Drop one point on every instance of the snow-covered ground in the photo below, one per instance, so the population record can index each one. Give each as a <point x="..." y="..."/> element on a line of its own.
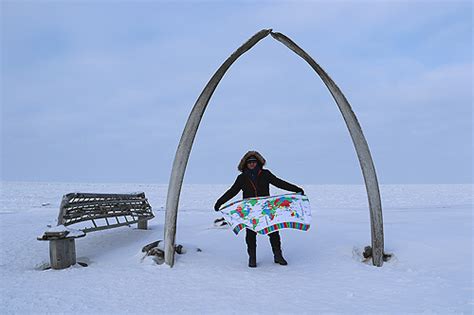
<point x="428" y="228"/>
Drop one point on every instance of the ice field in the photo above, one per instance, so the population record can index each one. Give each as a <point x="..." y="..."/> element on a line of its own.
<point x="428" y="229"/>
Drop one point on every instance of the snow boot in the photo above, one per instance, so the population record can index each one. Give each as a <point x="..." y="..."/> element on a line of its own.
<point x="252" y="261"/>
<point x="276" y="248"/>
<point x="278" y="258"/>
<point x="251" y="240"/>
<point x="252" y="251"/>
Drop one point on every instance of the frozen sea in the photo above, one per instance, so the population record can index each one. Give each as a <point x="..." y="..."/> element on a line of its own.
<point x="428" y="229"/>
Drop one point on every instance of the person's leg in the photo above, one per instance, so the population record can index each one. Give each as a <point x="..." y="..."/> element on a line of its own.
<point x="251" y="240"/>
<point x="276" y="248"/>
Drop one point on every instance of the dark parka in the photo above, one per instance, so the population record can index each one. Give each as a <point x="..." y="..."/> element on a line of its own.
<point x="259" y="187"/>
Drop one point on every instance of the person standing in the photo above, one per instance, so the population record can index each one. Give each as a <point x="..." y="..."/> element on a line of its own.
<point x="254" y="181"/>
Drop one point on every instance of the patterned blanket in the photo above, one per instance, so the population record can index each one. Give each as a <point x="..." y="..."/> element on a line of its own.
<point x="265" y="215"/>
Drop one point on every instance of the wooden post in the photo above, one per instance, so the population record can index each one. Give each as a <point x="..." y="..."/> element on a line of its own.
<point x="62" y="253"/>
<point x="142" y="225"/>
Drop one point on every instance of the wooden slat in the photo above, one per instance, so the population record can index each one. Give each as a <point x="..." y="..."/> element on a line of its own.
<point x="105" y="195"/>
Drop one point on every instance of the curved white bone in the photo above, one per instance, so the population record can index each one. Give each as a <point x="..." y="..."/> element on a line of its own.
<point x="361" y="147"/>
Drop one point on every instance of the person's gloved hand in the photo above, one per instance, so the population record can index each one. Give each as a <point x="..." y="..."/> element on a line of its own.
<point x="216" y="207"/>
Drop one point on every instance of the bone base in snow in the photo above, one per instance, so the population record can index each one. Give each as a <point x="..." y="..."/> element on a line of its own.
<point x="156" y="249"/>
<point x="368" y="254"/>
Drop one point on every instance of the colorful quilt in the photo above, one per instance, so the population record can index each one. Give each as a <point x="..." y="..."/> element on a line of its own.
<point x="265" y="215"/>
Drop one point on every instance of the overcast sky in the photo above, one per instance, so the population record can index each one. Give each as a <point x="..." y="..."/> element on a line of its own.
<point x="99" y="91"/>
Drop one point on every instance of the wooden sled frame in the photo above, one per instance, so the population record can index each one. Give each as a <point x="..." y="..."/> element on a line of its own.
<point x="103" y="211"/>
<point x="185" y="144"/>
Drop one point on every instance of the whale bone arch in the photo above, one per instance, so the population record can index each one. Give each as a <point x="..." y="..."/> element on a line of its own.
<point x="189" y="133"/>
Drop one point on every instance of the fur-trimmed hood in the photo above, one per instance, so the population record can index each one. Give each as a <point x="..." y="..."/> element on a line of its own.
<point x="257" y="155"/>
